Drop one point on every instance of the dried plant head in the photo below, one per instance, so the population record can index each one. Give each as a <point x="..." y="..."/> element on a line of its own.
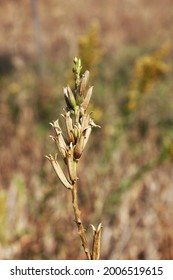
<point x="71" y="144"/>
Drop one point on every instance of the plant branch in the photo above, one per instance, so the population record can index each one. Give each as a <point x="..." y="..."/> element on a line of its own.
<point x="77" y="213"/>
<point x="78" y="127"/>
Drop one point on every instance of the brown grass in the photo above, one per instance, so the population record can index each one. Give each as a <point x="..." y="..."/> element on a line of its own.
<point x="34" y="211"/>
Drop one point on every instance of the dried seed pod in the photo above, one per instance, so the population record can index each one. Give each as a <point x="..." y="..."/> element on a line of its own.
<point x="86" y="101"/>
<point x="59" y="139"/>
<point x="85" y="121"/>
<point x="96" y="242"/>
<point x="93" y="124"/>
<point x="71" y="163"/>
<point x="55" y="125"/>
<point x="87" y="133"/>
<point x="69" y="127"/>
<point x="83" y="83"/>
<point x="59" y="172"/>
<point x="61" y="145"/>
<point x="79" y="147"/>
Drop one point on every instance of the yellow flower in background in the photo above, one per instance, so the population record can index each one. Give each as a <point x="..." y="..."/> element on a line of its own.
<point x="98" y="113"/>
<point x="14" y="88"/>
<point x="90" y="50"/>
<point x="147" y="71"/>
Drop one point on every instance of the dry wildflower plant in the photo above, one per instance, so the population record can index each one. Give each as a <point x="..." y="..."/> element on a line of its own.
<point x="71" y="145"/>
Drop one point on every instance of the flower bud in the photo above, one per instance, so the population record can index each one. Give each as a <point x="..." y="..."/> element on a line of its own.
<point x="69" y="98"/>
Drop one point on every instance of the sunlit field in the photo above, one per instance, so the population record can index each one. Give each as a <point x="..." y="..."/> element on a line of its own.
<point x="125" y="173"/>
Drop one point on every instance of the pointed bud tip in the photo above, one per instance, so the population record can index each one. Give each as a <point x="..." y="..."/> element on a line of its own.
<point x="93" y="228"/>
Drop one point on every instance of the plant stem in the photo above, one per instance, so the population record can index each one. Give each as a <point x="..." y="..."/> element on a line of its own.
<point x="77" y="213"/>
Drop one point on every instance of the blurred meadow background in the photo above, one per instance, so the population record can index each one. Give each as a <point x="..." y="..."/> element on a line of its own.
<point x="126" y="172"/>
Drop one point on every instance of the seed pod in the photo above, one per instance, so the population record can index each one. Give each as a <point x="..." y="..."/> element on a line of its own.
<point x="87" y="75"/>
<point x="59" y="172"/>
<point x="76" y="132"/>
<point x="56" y="126"/>
<point x="83" y="83"/>
<point x="69" y="98"/>
<point x="69" y="127"/>
<point x="79" y="147"/>
<point x="59" y="139"/>
<point x="85" y="121"/>
<point x="96" y="242"/>
<point x="71" y="163"/>
<point x="93" y="124"/>
<point x="86" y="101"/>
<point x="61" y="145"/>
<point x="87" y="135"/>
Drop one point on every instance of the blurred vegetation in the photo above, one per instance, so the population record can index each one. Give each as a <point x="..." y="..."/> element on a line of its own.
<point x="129" y="185"/>
<point x="90" y="48"/>
<point x="147" y="71"/>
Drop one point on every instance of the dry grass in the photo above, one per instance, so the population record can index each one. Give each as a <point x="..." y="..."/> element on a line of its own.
<point x="34" y="211"/>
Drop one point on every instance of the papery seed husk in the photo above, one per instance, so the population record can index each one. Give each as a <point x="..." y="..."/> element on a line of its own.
<point x="61" y="143"/>
<point x="79" y="147"/>
<point x="83" y="83"/>
<point x="59" y="172"/>
<point x="71" y="164"/>
<point x="56" y="127"/>
<point x="87" y="98"/>
<point x="92" y="123"/>
<point x="87" y="75"/>
<point x="61" y="147"/>
<point x="87" y="135"/>
<point x="85" y="121"/>
<point x="69" y="127"/>
<point x="96" y="242"/>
